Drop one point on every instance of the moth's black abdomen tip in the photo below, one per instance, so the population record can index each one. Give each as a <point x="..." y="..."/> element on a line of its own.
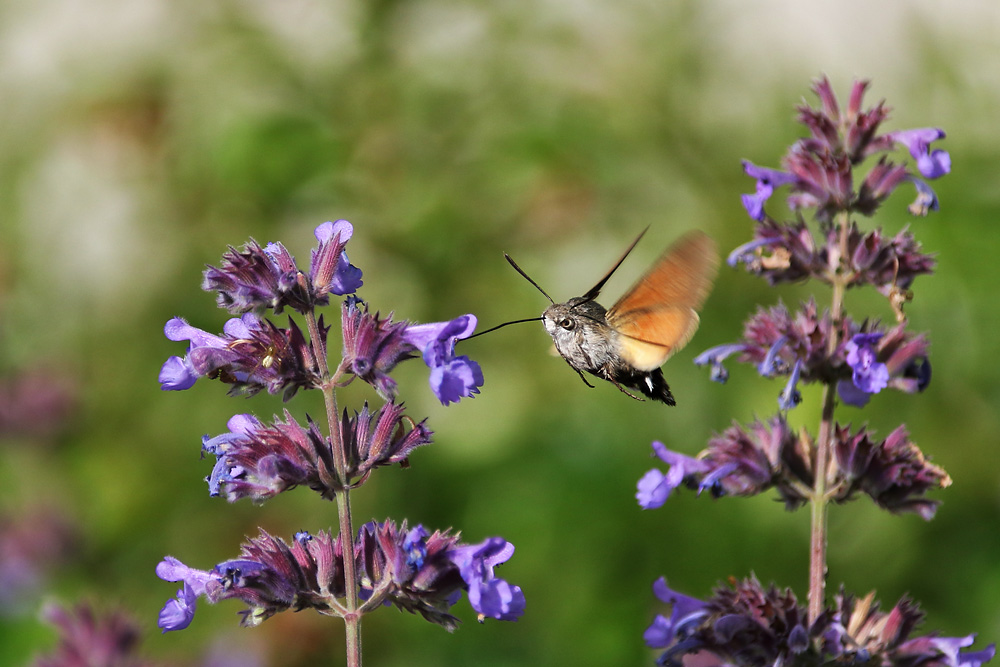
<point x="651" y="384"/>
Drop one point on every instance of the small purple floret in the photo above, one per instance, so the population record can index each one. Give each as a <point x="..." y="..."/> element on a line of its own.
<point x="489" y="596"/>
<point x="870" y="375"/>
<point x="931" y="164"/>
<point x="767" y="181"/>
<point x="452" y="377"/>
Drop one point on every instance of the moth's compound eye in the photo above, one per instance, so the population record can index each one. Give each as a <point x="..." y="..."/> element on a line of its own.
<point x="567" y="324"/>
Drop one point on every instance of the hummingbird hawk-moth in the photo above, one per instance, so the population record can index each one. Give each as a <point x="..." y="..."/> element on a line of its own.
<point x="627" y="343"/>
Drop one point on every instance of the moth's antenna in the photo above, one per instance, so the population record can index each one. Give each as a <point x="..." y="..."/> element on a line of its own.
<point x="596" y="289"/>
<point x="501" y="326"/>
<point x="528" y="278"/>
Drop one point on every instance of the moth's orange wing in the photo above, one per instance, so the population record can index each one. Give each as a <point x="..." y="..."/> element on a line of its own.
<point x="657" y="316"/>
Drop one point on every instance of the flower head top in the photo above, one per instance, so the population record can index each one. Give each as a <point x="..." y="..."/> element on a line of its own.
<point x="256" y="278"/>
<point x="819" y="168"/>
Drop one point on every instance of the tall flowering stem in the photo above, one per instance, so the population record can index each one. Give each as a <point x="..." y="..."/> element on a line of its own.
<point x="840" y="173"/>
<point x="351" y="571"/>
<point x="352" y="619"/>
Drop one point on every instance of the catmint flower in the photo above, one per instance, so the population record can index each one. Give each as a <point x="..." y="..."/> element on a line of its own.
<point x="715" y="356"/>
<point x="796" y="344"/>
<point x="255" y="278"/>
<point x="931" y="164"/>
<point x="380" y="438"/>
<point x="89" y="637"/>
<point x="252" y="354"/>
<point x="655" y="487"/>
<point x="686" y="614"/>
<point x="887" y="263"/>
<point x="178" y="612"/>
<point x="870" y="376"/>
<point x="330" y="270"/>
<point x="452" y="377"/>
<point x="767" y="181"/>
<point x="373" y="346"/>
<point x="490" y="596"/>
<point x="745" y="624"/>
<point x="906" y="367"/>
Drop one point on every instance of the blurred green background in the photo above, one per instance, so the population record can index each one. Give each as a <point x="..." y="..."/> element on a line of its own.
<point x="138" y="139"/>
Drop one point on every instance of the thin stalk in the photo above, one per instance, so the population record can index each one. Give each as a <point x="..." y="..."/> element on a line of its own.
<point x="352" y="619"/>
<point x="824" y="442"/>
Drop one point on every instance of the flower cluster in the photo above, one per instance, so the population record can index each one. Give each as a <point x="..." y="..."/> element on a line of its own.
<point x="745" y="461"/>
<point x="744" y="624"/>
<point x="410" y="569"/>
<point x="254" y="278"/>
<point x="861" y="358"/>
<point x="258" y="461"/>
<point x="251" y="354"/>
<point x="373" y="346"/>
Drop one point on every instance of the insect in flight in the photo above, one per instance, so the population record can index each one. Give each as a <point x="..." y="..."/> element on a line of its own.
<point x="627" y="343"/>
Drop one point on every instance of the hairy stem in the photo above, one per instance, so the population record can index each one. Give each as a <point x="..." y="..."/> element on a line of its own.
<point x="824" y="440"/>
<point x="352" y="619"/>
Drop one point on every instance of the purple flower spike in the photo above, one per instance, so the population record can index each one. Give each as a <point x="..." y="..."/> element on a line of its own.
<point x="747" y="623"/>
<point x="931" y="164"/>
<point x="767" y="181"/>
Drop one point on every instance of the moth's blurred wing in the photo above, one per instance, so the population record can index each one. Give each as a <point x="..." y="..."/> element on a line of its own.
<point x="657" y="316"/>
<point x="649" y="336"/>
